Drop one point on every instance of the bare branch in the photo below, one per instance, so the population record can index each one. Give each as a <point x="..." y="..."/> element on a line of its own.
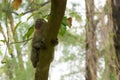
<point x="40" y="5"/>
<point x="21" y="41"/>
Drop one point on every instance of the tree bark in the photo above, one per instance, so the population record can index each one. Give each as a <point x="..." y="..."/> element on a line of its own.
<point x="91" y="55"/>
<point x="116" y="23"/>
<point x="51" y="31"/>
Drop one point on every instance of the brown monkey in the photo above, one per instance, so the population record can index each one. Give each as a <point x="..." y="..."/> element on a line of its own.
<point x="37" y="41"/>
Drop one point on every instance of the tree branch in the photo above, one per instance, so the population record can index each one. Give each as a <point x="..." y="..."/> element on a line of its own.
<point x="51" y="32"/>
<point x="40" y="5"/>
<point x="21" y="41"/>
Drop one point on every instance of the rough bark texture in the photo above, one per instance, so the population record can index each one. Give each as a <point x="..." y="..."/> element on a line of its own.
<point x="116" y="23"/>
<point x="51" y="31"/>
<point x="91" y="55"/>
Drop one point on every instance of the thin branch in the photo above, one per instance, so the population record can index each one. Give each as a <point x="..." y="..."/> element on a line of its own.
<point x="20" y="41"/>
<point x="15" y="13"/>
<point x="32" y="10"/>
<point x="41" y="5"/>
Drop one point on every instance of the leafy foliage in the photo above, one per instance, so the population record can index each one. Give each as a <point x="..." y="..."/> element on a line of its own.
<point x="15" y="41"/>
<point x="29" y="33"/>
<point x="65" y="22"/>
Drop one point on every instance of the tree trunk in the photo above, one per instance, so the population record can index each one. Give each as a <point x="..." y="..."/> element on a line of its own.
<point x="51" y="32"/>
<point x="116" y="23"/>
<point x="91" y="55"/>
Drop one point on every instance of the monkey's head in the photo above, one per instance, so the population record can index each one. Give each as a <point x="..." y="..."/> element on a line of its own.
<point x="39" y="23"/>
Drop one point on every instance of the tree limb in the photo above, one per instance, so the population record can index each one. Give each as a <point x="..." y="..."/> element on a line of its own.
<point x="40" y="5"/>
<point x="21" y="41"/>
<point x="51" y="32"/>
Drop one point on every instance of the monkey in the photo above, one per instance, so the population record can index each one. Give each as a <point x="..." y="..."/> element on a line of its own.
<point x="38" y="41"/>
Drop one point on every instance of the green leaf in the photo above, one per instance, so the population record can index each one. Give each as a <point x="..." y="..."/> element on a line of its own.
<point x="64" y="21"/>
<point x="0" y="27"/>
<point x="113" y="77"/>
<point x="17" y="26"/>
<point x="78" y="18"/>
<point x="63" y="26"/>
<point x="62" y="30"/>
<point x="29" y="32"/>
<point x="2" y="41"/>
<point x="21" y="14"/>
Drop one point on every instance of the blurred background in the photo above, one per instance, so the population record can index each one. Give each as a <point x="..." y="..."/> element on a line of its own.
<point x="16" y="30"/>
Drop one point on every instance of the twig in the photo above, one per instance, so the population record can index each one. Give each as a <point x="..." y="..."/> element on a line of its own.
<point x="21" y="41"/>
<point x="41" y="5"/>
<point x="44" y="3"/>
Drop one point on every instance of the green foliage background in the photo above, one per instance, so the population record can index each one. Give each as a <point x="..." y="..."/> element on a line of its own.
<point x="15" y="45"/>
